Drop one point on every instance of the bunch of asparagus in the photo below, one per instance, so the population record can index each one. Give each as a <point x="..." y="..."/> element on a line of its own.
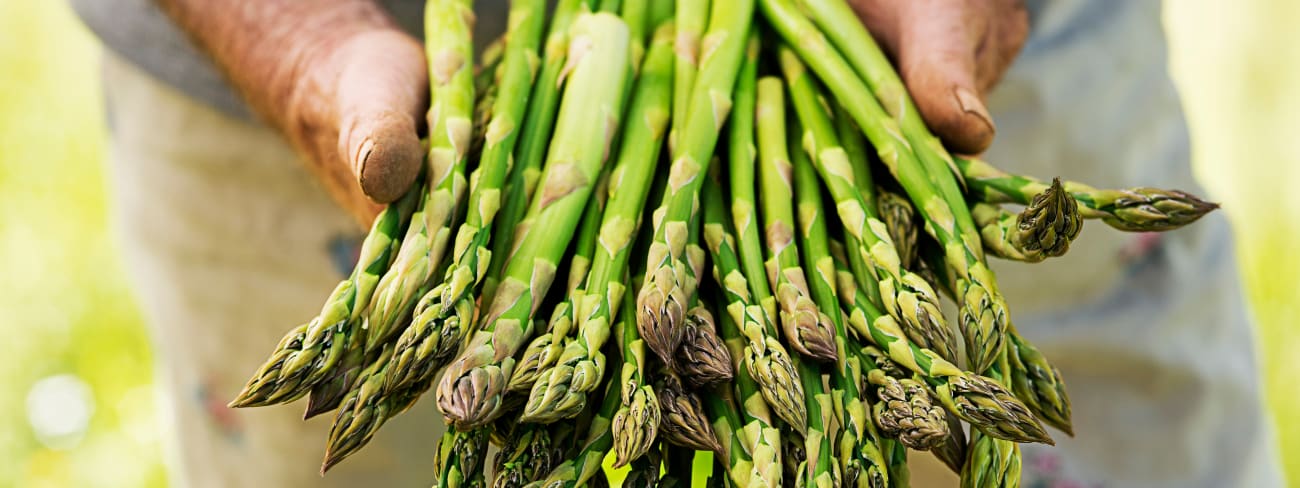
<point x="779" y="306"/>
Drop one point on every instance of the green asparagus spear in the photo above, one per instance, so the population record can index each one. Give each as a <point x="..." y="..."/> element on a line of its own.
<point x="364" y="409"/>
<point x="740" y="175"/>
<point x="545" y="349"/>
<point x="692" y="17"/>
<point x="860" y="462"/>
<point x="526" y="456"/>
<point x="702" y="358"/>
<point x="530" y="149"/>
<point x="449" y="308"/>
<point x="805" y="329"/>
<point x="636" y="422"/>
<point x="664" y="296"/>
<point x="450" y="53"/>
<point x="1043" y="229"/>
<point x="459" y="462"/>
<point x="899" y="217"/>
<point x="579" y="469"/>
<point x="859" y="155"/>
<point x="819" y="468"/>
<point x="1036" y="382"/>
<point x="992" y="462"/>
<point x="684" y="422"/>
<point x="266" y="387"/>
<point x="758" y="435"/>
<point x="1133" y="210"/>
<point x="905" y="411"/>
<point x="734" y="456"/>
<point x="470" y="393"/>
<point x="580" y="361"/>
<point x="765" y="358"/>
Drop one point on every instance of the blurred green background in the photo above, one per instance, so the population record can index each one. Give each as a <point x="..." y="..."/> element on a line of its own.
<point x="76" y="407"/>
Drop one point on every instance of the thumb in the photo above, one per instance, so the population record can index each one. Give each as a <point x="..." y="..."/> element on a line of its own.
<point x="937" y="59"/>
<point x="380" y="96"/>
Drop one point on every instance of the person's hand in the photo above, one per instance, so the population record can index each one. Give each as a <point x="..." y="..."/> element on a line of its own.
<point x="950" y="53"/>
<point x="338" y="78"/>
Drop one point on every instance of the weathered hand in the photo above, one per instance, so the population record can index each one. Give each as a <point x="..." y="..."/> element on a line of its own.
<point x="950" y="53"/>
<point x="343" y="83"/>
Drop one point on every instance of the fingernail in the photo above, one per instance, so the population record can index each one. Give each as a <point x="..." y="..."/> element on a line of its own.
<point x="971" y="104"/>
<point x="362" y="155"/>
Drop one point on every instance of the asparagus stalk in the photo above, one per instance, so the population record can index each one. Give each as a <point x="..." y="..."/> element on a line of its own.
<point x="581" y="364"/>
<point x="992" y="462"/>
<point x="899" y="218"/>
<point x="669" y="282"/>
<point x="904" y="411"/>
<point x="978" y="400"/>
<point x="530" y="149"/>
<point x="447" y="311"/>
<point x="856" y="149"/>
<point x="805" y="329"/>
<point x="896" y="455"/>
<point x="740" y="174"/>
<point x="266" y="386"/>
<point x="364" y="409"/>
<point x="643" y="472"/>
<point x="860" y="461"/>
<point x="450" y="53"/>
<point x="486" y="76"/>
<point x="758" y="435"/>
<point x="684" y="422"/>
<point x="310" y="351"/>
<point x="952" y="449"/>
<point x="580" y="469"/>
<point x="907" y="297"/>
<point x="470" y="393"/>
<point x="545" y="349"/>
<point x="1043" y="229"/>
<point x="692" y="17"/>
<point x="765" y="358"/>
<point x="1138" y="209"/>
<point x="734" y="456"/>
<point x="702" y="358"/>
<point x="459" y="462"/>
<point x="636" y="13"/>
<point x="611" y="6"/>
<point x="903" y="407"/>
<point x="793" y="456"/>
<point x="636" y="423"/>
<point x="982" y="309"/>
<point x="1036" y="382"/>
<point x="526" y="456"/>
<point x="819" y="467"/>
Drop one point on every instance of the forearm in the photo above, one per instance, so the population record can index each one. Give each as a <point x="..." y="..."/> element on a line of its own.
<point x="264" y="47"/>
<point x="338" y="78"/>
